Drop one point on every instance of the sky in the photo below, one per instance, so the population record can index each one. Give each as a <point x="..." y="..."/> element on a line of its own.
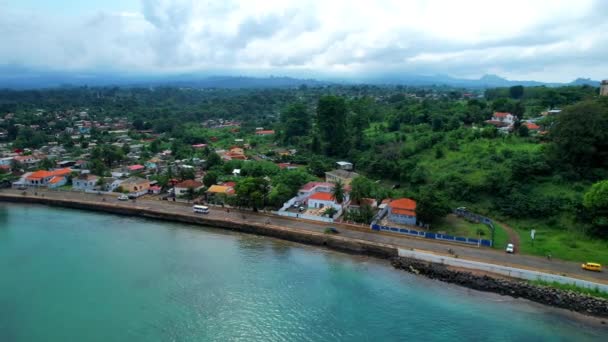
<point x="544" y="40"/>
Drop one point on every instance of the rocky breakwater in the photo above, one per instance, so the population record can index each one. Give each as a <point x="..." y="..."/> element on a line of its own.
<point x="507" y="287"/>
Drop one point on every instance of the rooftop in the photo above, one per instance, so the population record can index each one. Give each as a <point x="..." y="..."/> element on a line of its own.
<point x="311" y="185"/>
<point x="342" y="174"/>
<point x="189" y="184"/>
<point x="321" y="196"/>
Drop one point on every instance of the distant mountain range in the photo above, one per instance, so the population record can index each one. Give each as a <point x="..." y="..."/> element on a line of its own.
<point x="14" y="77"/>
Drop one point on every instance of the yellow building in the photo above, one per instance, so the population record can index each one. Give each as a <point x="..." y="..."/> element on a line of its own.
<point x="135" y="184"/>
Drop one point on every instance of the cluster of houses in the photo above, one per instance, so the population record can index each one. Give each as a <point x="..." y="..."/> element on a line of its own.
<point x="505" y="121"/>
<point x="316" y="201"/>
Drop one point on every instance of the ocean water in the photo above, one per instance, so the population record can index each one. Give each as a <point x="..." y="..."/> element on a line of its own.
<point x="68" y="275"/>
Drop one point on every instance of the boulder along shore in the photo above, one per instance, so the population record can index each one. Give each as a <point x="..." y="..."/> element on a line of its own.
<point x="564" y="299"/>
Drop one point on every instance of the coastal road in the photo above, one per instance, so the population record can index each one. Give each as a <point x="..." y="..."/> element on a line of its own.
<point x="487" y="255"/>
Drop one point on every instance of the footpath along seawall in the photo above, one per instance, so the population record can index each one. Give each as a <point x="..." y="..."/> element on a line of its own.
<point x="339" y="243"/>
<point x="401" y="259"/>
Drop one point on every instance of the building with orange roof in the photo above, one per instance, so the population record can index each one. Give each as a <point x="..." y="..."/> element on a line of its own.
<point x="43" y="177"/>
<point x="182" y="187"/>
<point x="532" y="126"/>
<point x="320" y="200"/>
<point x="402" y="211"/>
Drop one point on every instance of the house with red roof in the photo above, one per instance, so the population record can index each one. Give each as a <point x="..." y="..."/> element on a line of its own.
<point x="44" y="178"/>
<point x="154" y="190"/>
<point x="402" y="211"/>
<point x="532" y="126"/>
<point x="264" y="132"/>
<point x="502" y="119"/>
<point x="320" y="200"/>
<point x="136" y="168"/>
<point x="181" y="188"/>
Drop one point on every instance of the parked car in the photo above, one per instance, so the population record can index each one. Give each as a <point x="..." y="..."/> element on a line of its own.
<point x="301" y="209"/>
<point x="510" y="248"/>
<point x="592" y="266"/>
<point x="123" y="197"/>
<point x="22" y="187"/>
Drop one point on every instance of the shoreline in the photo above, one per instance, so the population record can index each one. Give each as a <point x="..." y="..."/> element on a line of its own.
<point x="586" y="305"/>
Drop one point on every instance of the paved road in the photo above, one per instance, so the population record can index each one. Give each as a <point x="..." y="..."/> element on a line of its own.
<point x="467" y="252"/>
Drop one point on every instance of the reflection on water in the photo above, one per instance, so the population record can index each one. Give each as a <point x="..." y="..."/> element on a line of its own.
<point x="77" y="276"/>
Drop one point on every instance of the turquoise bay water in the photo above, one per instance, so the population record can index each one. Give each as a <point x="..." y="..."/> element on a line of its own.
<point x="70" y="275"/>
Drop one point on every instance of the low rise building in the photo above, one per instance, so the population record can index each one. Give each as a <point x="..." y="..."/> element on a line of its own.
<point x="84" y="182"/>
<point x="181" y="189"/>
<point x="402" y="211"/>
<point x="43" y="177"/>
<point x="135" y="185"/>
<point x="344" y="176"/>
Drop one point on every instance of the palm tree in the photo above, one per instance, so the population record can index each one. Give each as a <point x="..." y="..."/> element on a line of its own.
<point x="338" y="192"/>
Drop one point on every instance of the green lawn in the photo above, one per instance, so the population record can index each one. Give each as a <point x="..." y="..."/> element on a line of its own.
<point x="565" y="245"/>
<point x="457" y="226"/>
<point x="500" y="237"/>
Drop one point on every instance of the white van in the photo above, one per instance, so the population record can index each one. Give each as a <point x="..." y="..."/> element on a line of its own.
<point x="201" y="209"/>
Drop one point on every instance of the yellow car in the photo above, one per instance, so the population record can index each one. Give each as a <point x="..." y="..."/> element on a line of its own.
<point x="592" y="266"/>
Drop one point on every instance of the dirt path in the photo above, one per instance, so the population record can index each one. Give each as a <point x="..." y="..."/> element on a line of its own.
<point x="513" y="236"/>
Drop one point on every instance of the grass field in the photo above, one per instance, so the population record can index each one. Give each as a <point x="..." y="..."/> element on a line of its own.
<point x="564" y="244"/>
<point x="454" y="225"/>
<point x="500" y="237"/>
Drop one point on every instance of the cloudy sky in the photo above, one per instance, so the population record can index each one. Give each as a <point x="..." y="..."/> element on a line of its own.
<point x="547" y="40"/>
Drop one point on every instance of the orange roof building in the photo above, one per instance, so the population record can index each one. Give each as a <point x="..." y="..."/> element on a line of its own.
<point x="402" y="211"/>
<point x="43" y="177"/>
<point x="532" y="126"/>
<point x="322" y="196"/>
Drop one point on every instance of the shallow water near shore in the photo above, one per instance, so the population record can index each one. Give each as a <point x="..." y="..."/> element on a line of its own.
<point x="69" y="275"/>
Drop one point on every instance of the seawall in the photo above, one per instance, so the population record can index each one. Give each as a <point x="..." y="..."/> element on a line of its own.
<point x="335" y="242"/>
<point x="507" y="287"/>
<point x="544" y="295"/>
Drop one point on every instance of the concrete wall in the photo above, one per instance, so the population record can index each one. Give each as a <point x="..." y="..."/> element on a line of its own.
<point x="339" y="243"/>
<point x="499" y="269"/>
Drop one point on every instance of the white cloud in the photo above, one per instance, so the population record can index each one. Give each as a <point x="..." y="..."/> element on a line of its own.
<point x="553" y="40"/>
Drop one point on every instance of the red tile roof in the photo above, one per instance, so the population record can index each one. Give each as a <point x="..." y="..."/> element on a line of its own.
<point x="501" y="114"/>
<point x="56" y="179"/>
<point x="136" y="167"/>
<point x="532" y="126"/>
<point x="321" y="196"/>
<point x="403" y="206"/>
<point x="189" y="184"/>
<point x="264" y="132"/>
<point x="46" y="174"/>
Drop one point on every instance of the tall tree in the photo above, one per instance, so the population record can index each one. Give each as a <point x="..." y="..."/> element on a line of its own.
<point x="580" y="136"/>
<point x="431" y="206"/>
<point x="331" y="121"/>
<point x="251" y="192"/>
<point x="295" y="122"/>
<point x="362" y="187"/>
<point x="210" y="178"/>
<point x="338" y="192"/>
<point x="516" y="92"/>
<point x="595" y="203"/>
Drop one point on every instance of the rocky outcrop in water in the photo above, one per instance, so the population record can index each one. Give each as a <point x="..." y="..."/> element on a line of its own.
<point x="519" y="289"/>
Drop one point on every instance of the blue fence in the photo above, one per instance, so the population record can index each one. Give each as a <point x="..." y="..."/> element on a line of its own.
<point x="434" y="236"/>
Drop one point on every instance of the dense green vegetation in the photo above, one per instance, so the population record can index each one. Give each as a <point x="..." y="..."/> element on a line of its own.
<point x="429" y="144"/>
